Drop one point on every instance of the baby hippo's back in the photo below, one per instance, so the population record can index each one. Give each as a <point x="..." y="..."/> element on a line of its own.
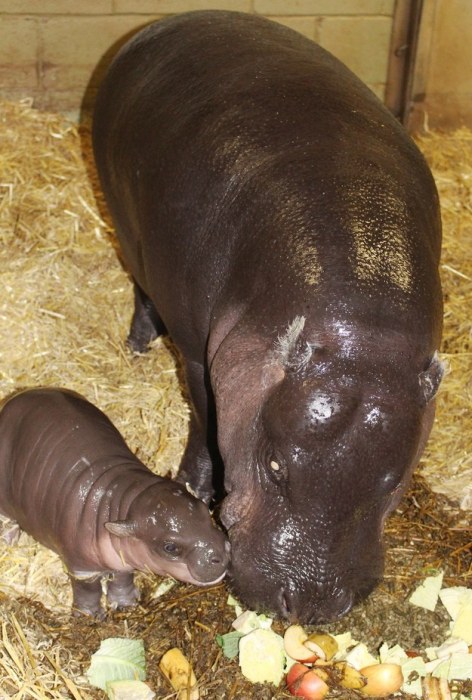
<point x="68" y="478"/>
<point x="55" y="447"/>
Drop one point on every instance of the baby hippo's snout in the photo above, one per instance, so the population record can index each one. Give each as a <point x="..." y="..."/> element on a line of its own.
<point x="208" y="562"/>
<point x="181" y="536"/>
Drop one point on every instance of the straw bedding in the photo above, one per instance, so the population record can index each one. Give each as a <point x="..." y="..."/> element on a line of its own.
<point x="65" y="307"/>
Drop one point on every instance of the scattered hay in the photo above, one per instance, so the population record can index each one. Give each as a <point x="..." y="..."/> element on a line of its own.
<point x="66" y="302"/>
<point x="447" y="464"/>
<point x="65" y="307"/>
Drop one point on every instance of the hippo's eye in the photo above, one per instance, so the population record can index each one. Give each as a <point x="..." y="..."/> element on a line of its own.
<point x="277" y="471"/>
<point x="171" y="548"/>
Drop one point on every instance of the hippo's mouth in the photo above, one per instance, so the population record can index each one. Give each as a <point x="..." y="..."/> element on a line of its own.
<point x="211" y="583"/>
<point x="182" y="572"/>
<point x="190" y="578"/>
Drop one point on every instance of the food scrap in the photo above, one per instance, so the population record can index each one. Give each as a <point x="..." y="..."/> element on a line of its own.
<point x="315" y="663"/>
<point x="261" y="651"/>
<point x="129" y="690"/>
<point x="180" y="675"/>
<point x="458" y="603"/>
<point x="117" y="659"/>
<point x="262" y="657"/>
<point x="427" y="593"/>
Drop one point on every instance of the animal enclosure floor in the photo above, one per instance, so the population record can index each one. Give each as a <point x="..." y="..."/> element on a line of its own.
<point x="65" y="307"/>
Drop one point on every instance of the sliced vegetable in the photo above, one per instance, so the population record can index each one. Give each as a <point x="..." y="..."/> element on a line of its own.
<point x="229" y="643"/>
<point x="249" y="621"/>
<point x="129" y="690"/>
<point x="117" y="659"/>
<point x="262" y="656"/>
<point x="359" y="657"/>
<point x="413" y="669"/>
<point x="426" y="595"/>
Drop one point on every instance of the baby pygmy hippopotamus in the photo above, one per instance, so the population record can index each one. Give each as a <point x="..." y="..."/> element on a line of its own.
<point x="68" y="478"/>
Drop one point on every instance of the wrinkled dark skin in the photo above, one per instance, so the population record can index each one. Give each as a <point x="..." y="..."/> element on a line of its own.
<point x="285" y="230"/>
<point x="68" y="479"/>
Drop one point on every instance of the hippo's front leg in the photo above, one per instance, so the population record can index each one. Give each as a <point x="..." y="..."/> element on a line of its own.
<point x="197" y="466"/>
<point x="86" y="594"/>
<point x="121" y="591"/>
<point x="146" y="324"/>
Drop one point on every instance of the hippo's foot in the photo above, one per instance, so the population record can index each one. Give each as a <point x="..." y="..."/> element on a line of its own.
<point x="98" y="614"/>
<point x="196" y="469"/>
<point x="121" y="591"/>
<point x="146" y="324"/>
<point x="195" y="486"/>
<point x="87" y="593"/>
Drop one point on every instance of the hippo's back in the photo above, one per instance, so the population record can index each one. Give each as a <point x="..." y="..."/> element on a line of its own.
<point x="235" y="153"/>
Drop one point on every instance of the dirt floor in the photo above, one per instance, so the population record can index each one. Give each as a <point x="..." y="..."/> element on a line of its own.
<point x="65" y="305"/>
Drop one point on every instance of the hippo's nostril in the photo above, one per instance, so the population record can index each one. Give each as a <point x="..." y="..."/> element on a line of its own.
<point x="332" y="608"/>
<point x="215" y="560"/>
<point x="285" y="604"/>
<point x="345" y="604"/>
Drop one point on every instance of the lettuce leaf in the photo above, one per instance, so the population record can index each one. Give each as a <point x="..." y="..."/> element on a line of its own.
<point x="117" y="659"/>
<point x="229" y="643"/>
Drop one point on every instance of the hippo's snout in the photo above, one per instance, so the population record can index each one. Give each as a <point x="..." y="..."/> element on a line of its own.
<point x="329" y="608"/>
<point x="316" y="588"/>
<point x="208" y="564"/>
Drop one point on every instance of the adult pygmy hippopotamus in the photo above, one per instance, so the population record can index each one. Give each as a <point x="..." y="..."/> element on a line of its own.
<point x="285" y="230"/>
<point x="68" y="479"/>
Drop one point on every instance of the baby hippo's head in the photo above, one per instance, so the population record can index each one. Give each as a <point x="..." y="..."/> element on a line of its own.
<point x="170" y="532"/>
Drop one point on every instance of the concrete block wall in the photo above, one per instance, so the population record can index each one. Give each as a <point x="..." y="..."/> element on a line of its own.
<point x="55" y="51"/>
<point x="442" y="85"/>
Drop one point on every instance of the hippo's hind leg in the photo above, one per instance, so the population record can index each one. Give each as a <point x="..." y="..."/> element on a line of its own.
<point x="146" y="324"/>
<point x="87" y="593"/>
<point x="121" y="591"/>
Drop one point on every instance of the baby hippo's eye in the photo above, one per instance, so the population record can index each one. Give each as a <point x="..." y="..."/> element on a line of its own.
<point x="171" y="549"/>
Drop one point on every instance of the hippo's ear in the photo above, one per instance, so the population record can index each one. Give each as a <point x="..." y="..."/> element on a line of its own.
<point x="290" y="349"/>
<point x="121" y="528"/>
<point x="430" y="379"/>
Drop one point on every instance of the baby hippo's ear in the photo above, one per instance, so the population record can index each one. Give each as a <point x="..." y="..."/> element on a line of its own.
<point x="121" y="528"/>
<point x="430" y="379"/>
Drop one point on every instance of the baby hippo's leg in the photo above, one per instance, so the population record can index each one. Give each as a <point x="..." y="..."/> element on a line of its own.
<point x="86" y="595"/>
<point x="121" y="591"/>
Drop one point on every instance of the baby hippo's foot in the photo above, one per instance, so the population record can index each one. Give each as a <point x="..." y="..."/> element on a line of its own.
<point x="87" y="593"/>
<point x="121" y="591"/>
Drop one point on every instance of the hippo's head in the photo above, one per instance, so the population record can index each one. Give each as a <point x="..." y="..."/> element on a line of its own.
<point x="329" y="438"/>
<point x="170" y="532"/>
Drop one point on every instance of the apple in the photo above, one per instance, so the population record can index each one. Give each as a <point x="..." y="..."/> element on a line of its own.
<point x="294" y="639"/>
<point x="324" y="645"/>
<point x="305" y="682"/>
<point x="382" y="679"/>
